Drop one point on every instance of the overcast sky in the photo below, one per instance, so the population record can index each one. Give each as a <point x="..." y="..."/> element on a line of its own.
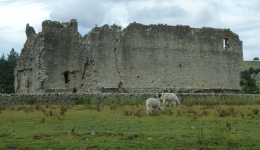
<point x="241" y="16"/>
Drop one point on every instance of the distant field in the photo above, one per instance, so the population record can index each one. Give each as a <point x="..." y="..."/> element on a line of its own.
<point x="254" y="64"/>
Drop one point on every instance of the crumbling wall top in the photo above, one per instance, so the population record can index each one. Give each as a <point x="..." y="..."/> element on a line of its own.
<point x="29" y="30"/>
<point x="55" y="24"/>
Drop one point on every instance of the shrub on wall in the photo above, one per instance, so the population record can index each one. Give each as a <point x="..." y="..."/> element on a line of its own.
<point x="84" y="100"/>
<point x="30" y="101"/>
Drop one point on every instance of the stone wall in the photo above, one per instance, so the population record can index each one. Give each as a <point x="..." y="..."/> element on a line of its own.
<point x="138" y="59"/>
<point x="72" y="99"/>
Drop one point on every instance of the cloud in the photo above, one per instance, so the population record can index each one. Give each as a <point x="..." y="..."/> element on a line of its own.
<point x="157" y="12"/>
<point x="87" y="13"/>
<point x="3" y="28"/>
<point x="195" y="13"/>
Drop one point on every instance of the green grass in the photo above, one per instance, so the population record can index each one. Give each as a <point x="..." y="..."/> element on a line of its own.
<point x="100" y="127"/>
<point x="254" y="64"/>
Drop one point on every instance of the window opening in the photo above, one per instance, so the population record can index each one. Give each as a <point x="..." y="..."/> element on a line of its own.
<point x="66" y="75"/>
<point x="74" y="90"/>
<point x="225" y="43"/>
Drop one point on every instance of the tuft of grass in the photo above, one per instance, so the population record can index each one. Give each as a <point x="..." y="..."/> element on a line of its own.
<point x="43" y="119"/>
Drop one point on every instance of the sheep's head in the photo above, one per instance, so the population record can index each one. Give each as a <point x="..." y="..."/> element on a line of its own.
<point x="162" y="94"/>
<point x="159" y="96"/>
<point x="161" y="109"/>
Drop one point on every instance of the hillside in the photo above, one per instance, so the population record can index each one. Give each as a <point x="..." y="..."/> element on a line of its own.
<point x="254" y="64"/>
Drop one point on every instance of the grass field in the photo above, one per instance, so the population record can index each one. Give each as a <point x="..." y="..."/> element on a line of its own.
<point x="254" y="64"/>
<point x="197" y="124"/>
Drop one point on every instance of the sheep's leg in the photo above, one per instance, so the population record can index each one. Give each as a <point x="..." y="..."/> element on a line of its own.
<point x="147" y="108"/>
<point x="164" y="102"/>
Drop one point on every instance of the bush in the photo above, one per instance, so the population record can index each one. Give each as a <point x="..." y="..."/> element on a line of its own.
<point x="115" y="27"/>
<point x="248" y="84"/>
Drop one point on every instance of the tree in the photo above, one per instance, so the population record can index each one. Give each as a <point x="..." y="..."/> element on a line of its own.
<point x="7" y="72"/>
<point x="248" y="84"/>
<point x="251" y="70"/>
<point x="256" y="58"/>
<point x="3" y="64"/>
<point x="115" y="26"/>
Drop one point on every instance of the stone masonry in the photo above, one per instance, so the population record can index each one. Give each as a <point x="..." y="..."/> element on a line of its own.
<point x="138" y="59"/>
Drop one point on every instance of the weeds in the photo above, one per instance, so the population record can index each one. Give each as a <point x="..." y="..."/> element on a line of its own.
<point x="128" y="113"/>
<point x="242" y="115"/>
<point x="154" y="111"/>
<point x="204" y="112"/>
<point x="233" y="112"/>
<point x="251" y="115"/>
<point x="223" y="112"/>
<point x="180" y="113"/>
<point x="48" y="105"/>
<point x="228" y="126"/>
<point x="63" y="109"/>
<point x="26" y="110"/>
<point x="255" y="111"/>
<point x="170" y="112"/>
<point x="38" y="107"/>
<point x="138" y="113"/>
<point x="113" y="107"/>
<point x="44" y="111"/>
<point x="50" y="113"/>
<point x="3" y="108"/>
<point x="194" y="118"/>
<point x="98" y="108"/>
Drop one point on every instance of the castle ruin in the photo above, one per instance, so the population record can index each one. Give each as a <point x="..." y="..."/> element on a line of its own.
<point x="138" y="59"/>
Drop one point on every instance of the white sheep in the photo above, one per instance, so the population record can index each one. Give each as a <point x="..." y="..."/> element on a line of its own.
<point x="153" y="103"/>
<point x="169" y="97"/>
